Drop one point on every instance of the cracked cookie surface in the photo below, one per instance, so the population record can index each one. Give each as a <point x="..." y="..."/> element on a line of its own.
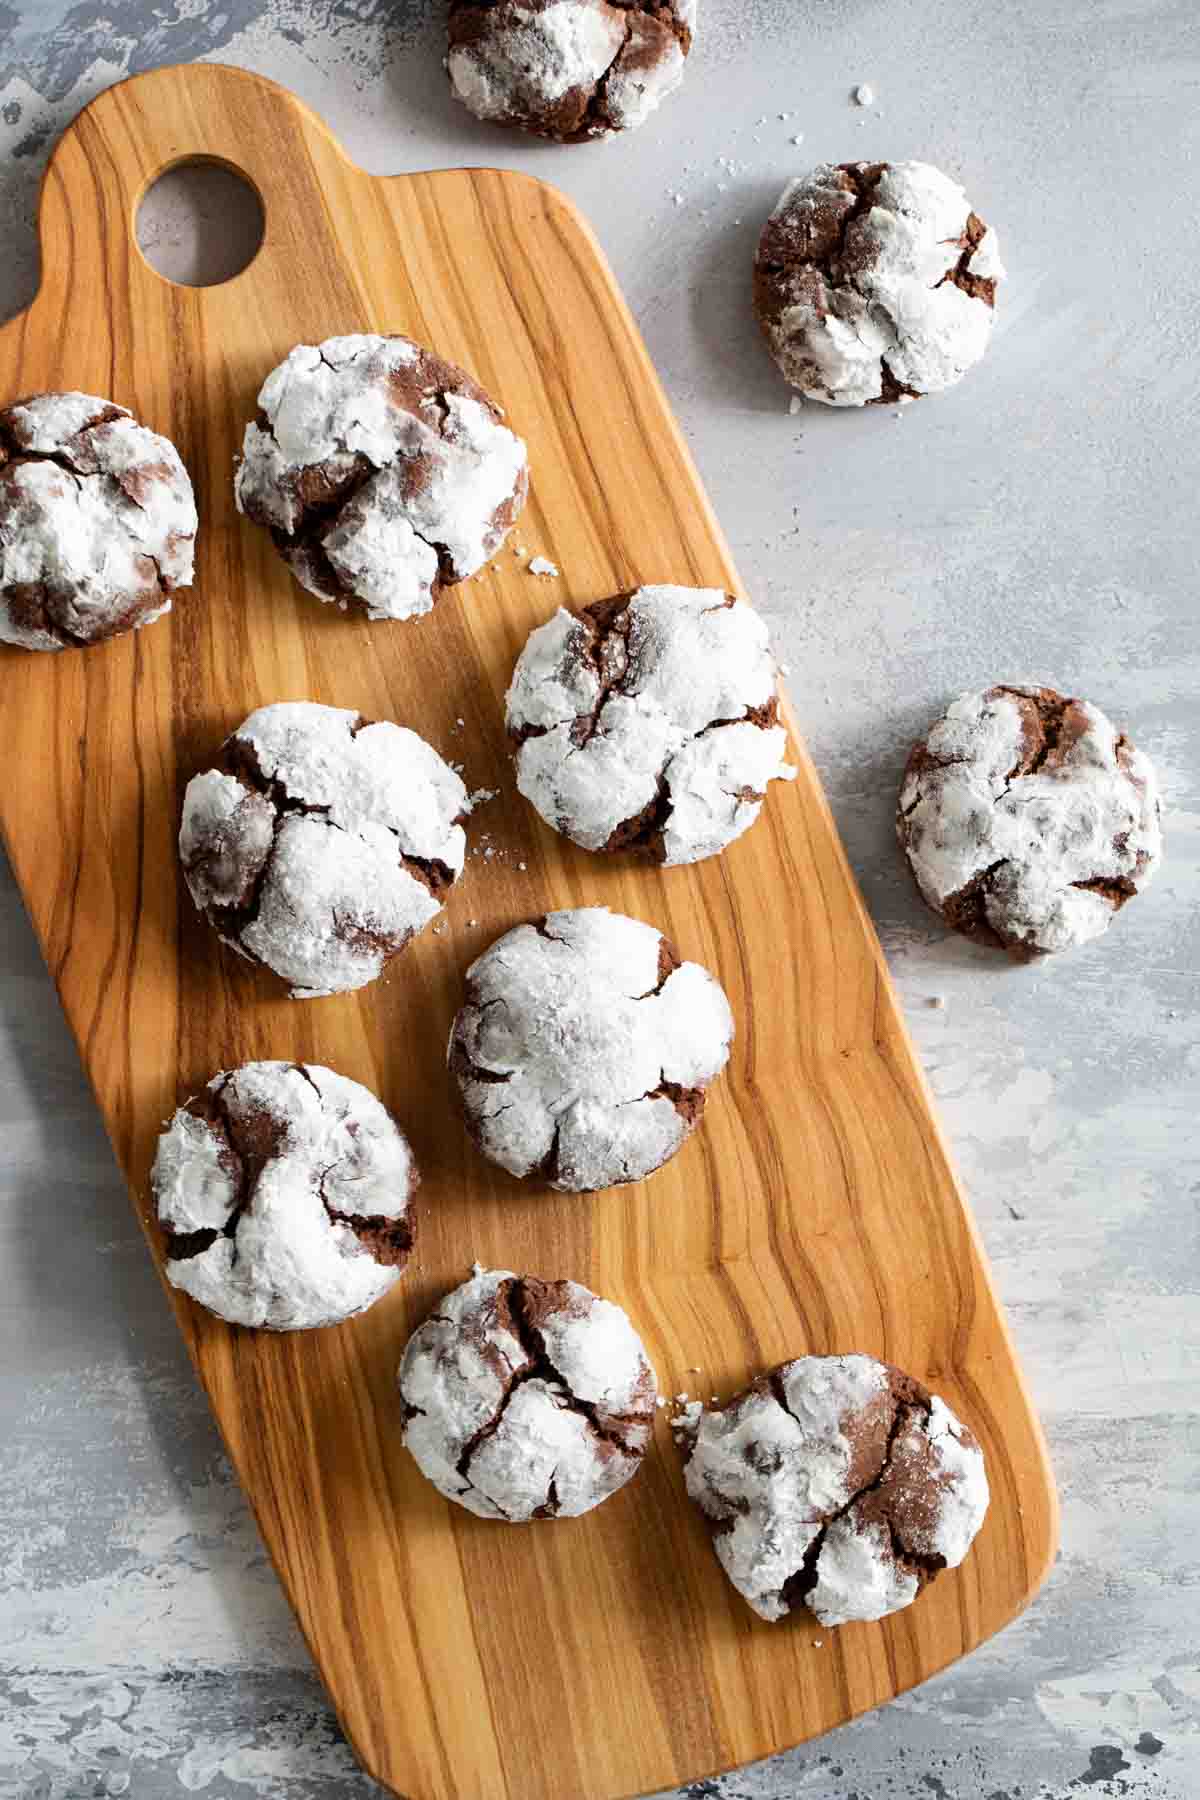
<point x="97" y="522"/>
<point x="570" y="70"/>
<point x="284" y="1192"/>
<point x="383" y="473"/>
<point x="584" y="1049"/>
<point x="320" y="844"/>
<point x="834" y="1482"/>
<point x="875" y="282"/>
<point x="1027" y="820"/>
<point x="526" y="1399"/>
<point x="649" y="722"/>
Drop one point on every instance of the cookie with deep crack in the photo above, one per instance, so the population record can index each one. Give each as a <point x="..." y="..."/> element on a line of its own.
<point x="97" y="522"/>
<point x="1027" y="820"/>
<point x="649" y="722"/>
<point x="834" y="1482"/>
<point x="875" y="282"/>
<point x="320" y="843"/>
<point x="384" y="473"/>
<point x="284" y="1194"/>
<point x="570" y="70"/>
<point x="526" y="1399"/>
<point x="584" y="1049"/>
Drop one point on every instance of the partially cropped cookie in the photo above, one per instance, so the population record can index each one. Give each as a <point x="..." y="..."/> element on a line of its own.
<point x="319" y="843"/>
<point x="875" y="282"/>
<point x="1027" y="820"/>
<point x="284" y="1193"/>
<point x="568" y="69"/>
<point x="97" y="522"/>
<point x="384" y="473"/>
<point x="526" y="1399"/>
<point x="834" y="1482"/>
<point x="584" y="1049"/>
<point x="649" y="722"/>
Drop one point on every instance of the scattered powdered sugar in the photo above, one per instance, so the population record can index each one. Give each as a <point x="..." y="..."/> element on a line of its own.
<point x="898" y="299"/>
<point x="272" y="1172"/>
<point x="444" y="474"/>
<point x="526" y="1399"/>
<point x="104" y="533"/>
<point x="326" y="881"/>
<point x="1047" y="840"/>
<point x="823" y="1459"/>
<point x="672" y="686"/>
<point x="569" y="1041"/>
<point x="541" y="565"/>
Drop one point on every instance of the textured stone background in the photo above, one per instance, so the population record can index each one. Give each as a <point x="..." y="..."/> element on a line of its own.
<point x="1039" y="521"/>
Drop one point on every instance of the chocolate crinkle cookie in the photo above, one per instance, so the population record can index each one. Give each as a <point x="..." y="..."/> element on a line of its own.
<point x="584" y="1049"/>
<point x="649" y="722"/>
<point x="284" y="1194"/>
<point x="834" y="1482"/>
<point x="568" y="69"/>
<point x="383" y="473"/>
<point x="97" y="522"/>
<point x="1027" y="821"/>
<point x="875" y="282"/>
<point x="526" y="1399"/>
<point x="320" y="843"/>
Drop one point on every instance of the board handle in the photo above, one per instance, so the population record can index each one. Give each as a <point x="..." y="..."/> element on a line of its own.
<point x="127" y="137"/>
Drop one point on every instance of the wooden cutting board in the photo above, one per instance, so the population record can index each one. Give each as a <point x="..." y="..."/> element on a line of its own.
<point x="816" y="1209"/>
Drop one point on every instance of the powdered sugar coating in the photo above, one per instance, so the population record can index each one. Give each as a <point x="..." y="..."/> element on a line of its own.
<point x="526" y="1399"/>
<point x="567" y="69"/>
<point x="837" y="1483"/>
<point x="581" y="1054"/>
<point x="668" y="704"/>
<point x="322" y="844"/>
<point x="876" y="280"/>
<point x="284" y="1191"/>
<point x="384" y="472"/>
<point x="96" y="541"/>
<point x="1027" y="820"/>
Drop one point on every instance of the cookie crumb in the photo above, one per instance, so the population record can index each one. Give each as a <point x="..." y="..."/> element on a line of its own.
<point x="799" y="138"/>
<point x="938" y="1002"/>
<point x="541" y="565"/>
<point x="480" y="797"/>
<point x="864" y="94"/>
<point x="522" y="867"/>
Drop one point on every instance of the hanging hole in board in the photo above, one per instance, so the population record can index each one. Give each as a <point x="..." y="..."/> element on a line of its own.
<point x="200" y="223"/>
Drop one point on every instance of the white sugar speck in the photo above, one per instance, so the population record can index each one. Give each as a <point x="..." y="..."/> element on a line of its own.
<point x="541" y="565"/>
<point x="864" y="94"/>
<point x="799" y="138"/>
<point x="796" y="404"/>
<point x="938" y="1002"/>
<point x="481" y="796"/>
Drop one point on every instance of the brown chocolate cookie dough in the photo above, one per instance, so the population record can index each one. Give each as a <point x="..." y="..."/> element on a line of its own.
<point x="526" y="1399"/>
<point x="97" y="522"/>
<point x="384" y="473"/>
<point x="1027" y="821"/>
<point x="834" y="1482"/>
<point x="568" y="69"/>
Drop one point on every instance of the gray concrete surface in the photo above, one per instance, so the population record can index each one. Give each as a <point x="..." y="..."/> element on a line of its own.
<point x="1039" y="521"/>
